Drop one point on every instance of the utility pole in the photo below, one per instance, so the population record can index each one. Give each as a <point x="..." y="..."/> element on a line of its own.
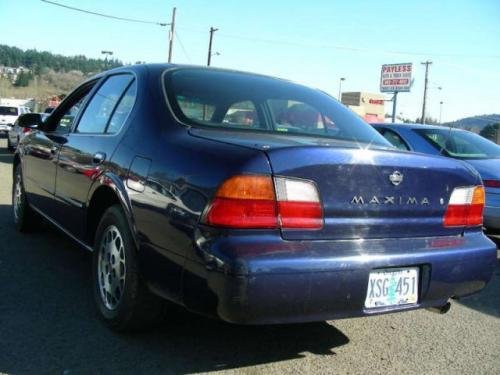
<point x="171" y="36"/>
<point x="106" y="54"/>
<point x="426" y="63"/>
<point x="212" y="31"/>
<point x="394" y="100"/>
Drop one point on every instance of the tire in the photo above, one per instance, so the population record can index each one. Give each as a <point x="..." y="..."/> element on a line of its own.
<point x="123" y="301"/>
<point x="24" y="216"/>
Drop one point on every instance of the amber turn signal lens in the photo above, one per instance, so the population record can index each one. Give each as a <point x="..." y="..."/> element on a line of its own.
<point x="247" y="187"/>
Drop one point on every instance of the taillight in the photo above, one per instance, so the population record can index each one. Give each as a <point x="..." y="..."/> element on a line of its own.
<point x="26" y="130"/>
<point x="465" y="207"/>
<point x="491" y="183"/>
<point x="298" y="203"/>
<point x="251" y="201"/>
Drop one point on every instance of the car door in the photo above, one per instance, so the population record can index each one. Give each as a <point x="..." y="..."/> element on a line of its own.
<point x="41" y="153"/>
<point x="89" y="146"/>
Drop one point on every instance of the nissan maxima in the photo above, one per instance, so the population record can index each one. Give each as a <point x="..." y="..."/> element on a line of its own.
<point x="247" y="198"/>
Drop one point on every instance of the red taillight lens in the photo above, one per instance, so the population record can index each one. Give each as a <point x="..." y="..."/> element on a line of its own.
<point x="244" y="202"/>
<point x="26" y="130"/>
<point x="492" y="183"/>
<point x="250" y="202"/>
<point x="465" y="207"/>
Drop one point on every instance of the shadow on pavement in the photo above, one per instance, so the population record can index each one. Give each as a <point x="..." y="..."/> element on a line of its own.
<point x="48" y="322"/>
<point x="488" y="300"/>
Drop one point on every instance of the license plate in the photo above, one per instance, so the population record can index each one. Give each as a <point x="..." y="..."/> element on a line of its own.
<point x="392" y="287"/>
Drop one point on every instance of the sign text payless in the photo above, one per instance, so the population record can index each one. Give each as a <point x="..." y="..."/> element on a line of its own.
<point x="395" y="77"/>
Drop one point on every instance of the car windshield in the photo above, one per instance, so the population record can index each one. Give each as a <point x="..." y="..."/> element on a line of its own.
<point x="232" y="100"/>
<point x="460" y="144"/>
<point x="8" y="111"/>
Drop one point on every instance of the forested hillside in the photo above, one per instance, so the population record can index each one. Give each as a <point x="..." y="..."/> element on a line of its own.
<point x="38" y="60"/>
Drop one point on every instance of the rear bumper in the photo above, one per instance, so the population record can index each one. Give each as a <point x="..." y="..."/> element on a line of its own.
<point x="320" y="280"/>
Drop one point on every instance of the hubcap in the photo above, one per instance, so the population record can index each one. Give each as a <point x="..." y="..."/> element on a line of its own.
<point x="18" y="196"/>
<point x="111" y="267"/>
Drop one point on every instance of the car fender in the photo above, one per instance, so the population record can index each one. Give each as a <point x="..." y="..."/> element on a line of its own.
<point x="116" y="184"/>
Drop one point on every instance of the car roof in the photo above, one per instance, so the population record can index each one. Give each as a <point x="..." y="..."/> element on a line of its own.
<point x="412" y="126"/>
<point x="157" y="68"/>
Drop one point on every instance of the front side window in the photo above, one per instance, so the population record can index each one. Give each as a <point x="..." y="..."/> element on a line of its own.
<point x="233" y="100"/>
<point x="102" y="105"/>
<point x="460" y="144"/>
<point x="66" y="121"/>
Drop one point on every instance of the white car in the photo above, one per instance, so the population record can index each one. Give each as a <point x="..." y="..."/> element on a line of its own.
<point x="9" y="115"/>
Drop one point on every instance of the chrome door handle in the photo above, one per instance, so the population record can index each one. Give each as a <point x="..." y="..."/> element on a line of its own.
<point x="99" y="157"/>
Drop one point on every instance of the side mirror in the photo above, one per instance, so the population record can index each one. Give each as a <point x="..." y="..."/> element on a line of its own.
<point x="30" y="120"/>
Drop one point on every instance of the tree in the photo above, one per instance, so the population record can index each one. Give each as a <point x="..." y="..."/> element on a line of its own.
<point x="491" y="132"/>
<point x="23" y="79"/>
<point x="428" y="120"/>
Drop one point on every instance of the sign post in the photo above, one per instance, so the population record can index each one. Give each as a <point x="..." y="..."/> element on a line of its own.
<point x="395" y="78"/>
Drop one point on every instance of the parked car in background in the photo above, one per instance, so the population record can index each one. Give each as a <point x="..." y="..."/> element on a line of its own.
<point x="9" y="115"/>
<point x="477" y="151"/>
<point x="298" y="212"/>
<point x="16" y="133"/>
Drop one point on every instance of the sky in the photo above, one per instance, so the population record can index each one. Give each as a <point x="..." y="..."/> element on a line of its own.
<point x="312" y="42"/>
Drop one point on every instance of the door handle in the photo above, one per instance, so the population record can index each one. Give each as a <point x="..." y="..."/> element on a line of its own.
<point x="99" y="157"/>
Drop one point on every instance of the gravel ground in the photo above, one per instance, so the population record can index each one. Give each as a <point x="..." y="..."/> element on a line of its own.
<point x="48" y="325"/>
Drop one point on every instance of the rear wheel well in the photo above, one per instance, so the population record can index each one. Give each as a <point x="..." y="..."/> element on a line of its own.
<point x="103" y="198"/>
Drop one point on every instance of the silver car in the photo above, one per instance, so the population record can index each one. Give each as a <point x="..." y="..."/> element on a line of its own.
<point x="16" y="133"/>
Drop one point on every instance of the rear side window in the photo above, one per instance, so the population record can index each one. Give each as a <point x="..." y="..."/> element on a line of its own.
<point x="102" y="105"/>
<point x="123" y="109"/>
<point x="234" y="100"/>
<point x="395" y="139"/>
<point x="8" y="111"/>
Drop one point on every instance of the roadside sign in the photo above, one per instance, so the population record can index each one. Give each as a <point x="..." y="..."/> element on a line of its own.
<point x="395" y="77"/>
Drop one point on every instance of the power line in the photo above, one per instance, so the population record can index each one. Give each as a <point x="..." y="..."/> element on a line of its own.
<point x="182" y="46"/>
<point x="106" y="15"/>
<point x="340" y="47"/>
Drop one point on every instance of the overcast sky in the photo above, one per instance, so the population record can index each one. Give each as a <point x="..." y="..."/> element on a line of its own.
<point x="314" y="42"/>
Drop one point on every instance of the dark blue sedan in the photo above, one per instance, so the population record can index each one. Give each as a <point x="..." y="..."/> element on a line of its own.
<point x="248" y="198"/>
<point x="479" y="152"/>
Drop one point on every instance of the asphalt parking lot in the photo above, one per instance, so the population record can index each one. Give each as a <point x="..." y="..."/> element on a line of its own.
<point x="48" y="325"/>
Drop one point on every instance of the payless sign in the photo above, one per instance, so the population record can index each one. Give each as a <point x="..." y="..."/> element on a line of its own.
<point x="395" y="77"/>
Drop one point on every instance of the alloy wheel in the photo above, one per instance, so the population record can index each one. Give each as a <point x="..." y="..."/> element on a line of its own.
<point x="111" y="268"/>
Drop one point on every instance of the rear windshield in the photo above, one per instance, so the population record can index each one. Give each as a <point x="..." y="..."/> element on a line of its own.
<point x="460" y="144"/>
<point x="8" y="111"/>
<point x="232" y="100"/>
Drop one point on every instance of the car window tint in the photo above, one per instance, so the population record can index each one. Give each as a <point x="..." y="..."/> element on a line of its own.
<point x="395" y="139"/>
<point x="122" y="109"/>
<point x="196" y="108"/>
<point x="296" y="116"/>
<point x="460" y="144"/>
<point x="66" y="121"/>
<point x="8" y="111"/>
<point x="204" y="97"/>
<point x="102" y="104"/>
<point x="242" y="114"/>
